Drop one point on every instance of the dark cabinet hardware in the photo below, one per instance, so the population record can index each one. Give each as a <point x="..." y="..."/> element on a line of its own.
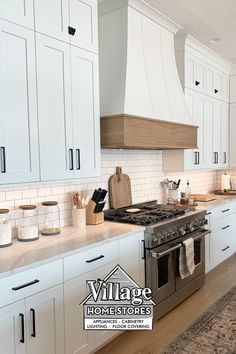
<point x="25" y="285"/>
<point x="224" y="249"/>
<point x="216" y="157"/>
<point x="196" y="158"/>
<point x="143" y="250"/>
<point x="224" y="211"/>
<point x="225" y="157"/>
<point x="3" y="159"/>
<point x="95" y="259"/>
<point x="216" y="91"/>
<point x="78" y="159"/>
<point x="209" y="213"/>
<point x="33" y="334"/>
<point x="71" y="31"/>
<point x="99" y="279"/>
<point x="197" y="83"/>
<point x="22" y="340"/>
<point x="71" y="160"/>
<point x="226" y="227"/>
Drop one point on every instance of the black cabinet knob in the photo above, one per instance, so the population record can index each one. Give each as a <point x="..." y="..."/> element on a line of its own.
<point x="216" y="91"/>
<point x="71" y="31"/>
<point x="197" y="83"/>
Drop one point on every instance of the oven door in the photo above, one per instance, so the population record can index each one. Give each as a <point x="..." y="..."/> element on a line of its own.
<point x="199" y="257"/>
<point x="160" y="274"/>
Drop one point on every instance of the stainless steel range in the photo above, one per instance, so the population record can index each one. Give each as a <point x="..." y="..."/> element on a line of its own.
<point x="166" y="227"/>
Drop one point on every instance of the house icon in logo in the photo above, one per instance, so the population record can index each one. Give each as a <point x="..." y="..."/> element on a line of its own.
<point x="117" y="303"/>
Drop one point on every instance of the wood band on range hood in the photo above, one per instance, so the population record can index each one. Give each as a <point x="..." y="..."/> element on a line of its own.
<point x="132" y="132"/>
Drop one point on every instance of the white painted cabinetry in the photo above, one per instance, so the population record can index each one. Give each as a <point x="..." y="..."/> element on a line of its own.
<point x="12" y="328"/>
<point x="20" y="12"/>
<point x="18" y="105"/>
<point x="72" y="21"/>
<point x="221" y="243"/>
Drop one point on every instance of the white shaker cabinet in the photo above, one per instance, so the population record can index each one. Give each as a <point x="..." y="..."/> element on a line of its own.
<point x="194" y="159"/>
<point x="72" y="21"/>
<point x="224" y="129"/>
<point x="45" y="322"/>
<point x="20" y="12"/>
<point x="54" y="109"/>
<point x="85" y="113"/>
<point x="18" y="105"/>
<point x="68" y="110"/>
<point x="12" y="329"/>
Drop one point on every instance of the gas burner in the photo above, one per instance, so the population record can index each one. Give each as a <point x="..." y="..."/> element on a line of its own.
<point x="149" y="213"/>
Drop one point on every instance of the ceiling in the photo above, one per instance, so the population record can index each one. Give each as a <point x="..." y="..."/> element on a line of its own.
<point x="205" y="20"/>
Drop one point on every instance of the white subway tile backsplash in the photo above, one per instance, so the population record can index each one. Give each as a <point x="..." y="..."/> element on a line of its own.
<point x="143" y="167"/>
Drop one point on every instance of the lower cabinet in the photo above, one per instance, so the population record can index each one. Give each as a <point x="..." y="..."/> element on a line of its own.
<point x="12" y="329"/>
<point x="221" y="243"/>
<point x="34" y="325"/>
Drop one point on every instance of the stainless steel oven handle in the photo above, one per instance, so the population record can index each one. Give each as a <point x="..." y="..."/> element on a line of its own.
<point x="161" y="254"/>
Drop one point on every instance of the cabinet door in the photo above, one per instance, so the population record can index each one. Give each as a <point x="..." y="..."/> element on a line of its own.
<point x="18" y="105"/>
<point x="12" y="329"/>
<point x="200" y="75"/>
<point x="216" y="133"/>
<point x="18" y="11"/>
<point x="189" y="71"/>
<point x="54" y="109"/>
<point x="45" y="322"/>
<point x="208" y="132"/>
<point x="85" y="112"/>
<point x="134" y="265"/>
<point x="83" y="18"/>
<point x="218" y="81"/>
<point x="194" y="159"/>
<point x="225" y="88"/>
<point x="210" y="80"/>
<point x="224" y="135"/>
<point x="77" y="340"/>
<point x="52" y="18"/>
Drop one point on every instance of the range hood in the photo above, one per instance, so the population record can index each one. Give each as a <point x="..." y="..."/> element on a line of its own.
<point x="142" y="101"/>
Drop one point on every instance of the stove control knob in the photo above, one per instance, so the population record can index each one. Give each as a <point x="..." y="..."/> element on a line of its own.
<point x="190" y="227"/>
<point x="174" y="234"/>
<point x="163" y="237"/>
<point x="181" y="231"/>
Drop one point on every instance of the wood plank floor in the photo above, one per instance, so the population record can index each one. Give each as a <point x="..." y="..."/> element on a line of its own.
<point x="218" y="282"/>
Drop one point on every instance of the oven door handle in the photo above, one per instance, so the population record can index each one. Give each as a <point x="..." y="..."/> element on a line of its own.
<point x="161" y="254"/>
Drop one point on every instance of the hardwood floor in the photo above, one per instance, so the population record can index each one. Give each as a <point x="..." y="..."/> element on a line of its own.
<point x="218" y="282"/>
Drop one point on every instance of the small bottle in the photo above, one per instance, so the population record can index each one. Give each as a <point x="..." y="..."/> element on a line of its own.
<point x="188" y="190"/>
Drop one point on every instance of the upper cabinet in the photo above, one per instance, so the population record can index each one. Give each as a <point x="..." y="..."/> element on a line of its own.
<point x="72" y="21"/>
<point x="68" y="110"/>
<point x="18" y="11"/>
<point x="18" y="105"/>
<point x="49" y="95"/>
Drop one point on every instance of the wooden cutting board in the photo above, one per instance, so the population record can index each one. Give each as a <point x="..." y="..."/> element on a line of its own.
<point x="229" y="193"/>
<point x="203" y="197"/>
<point x="119" y="190"/>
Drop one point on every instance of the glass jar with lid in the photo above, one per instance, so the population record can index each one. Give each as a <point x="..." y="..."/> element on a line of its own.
<point x="5" y="228"/>
<point x="51" y="225"/>
<point x="28" y="229"/>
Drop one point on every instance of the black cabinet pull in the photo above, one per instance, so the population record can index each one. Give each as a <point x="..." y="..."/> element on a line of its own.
<point x="225" y="157"/>
<point x="71" y="31"/>
<point x="197" y="83"/>
<point x="22" y="340"/>
<point x="209" y="213"/>
<point x="71" y="160"/>
<point x="78" y="159"/>
<point x="216" y="91"/>
<point x="33" y="334"/>
<point x="216" y="157"/>
<point x="196" y="158"/>
<point x="3" y="159"/>
<point x="224" y="249"/>
<point x="25" y="285"/>
<point x="224" y="211"/>
<point x="95" y="259"/>
<point x="226" y="227"/>
<point x="143" y="250"/>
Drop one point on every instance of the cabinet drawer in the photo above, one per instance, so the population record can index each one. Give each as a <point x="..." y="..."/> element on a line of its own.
<point x="221" y="212"/>
<point x="29" y="282"/>
<point x="89" y="260"/>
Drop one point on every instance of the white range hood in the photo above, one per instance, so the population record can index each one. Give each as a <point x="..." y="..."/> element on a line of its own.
<point x="139" y="79"/>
